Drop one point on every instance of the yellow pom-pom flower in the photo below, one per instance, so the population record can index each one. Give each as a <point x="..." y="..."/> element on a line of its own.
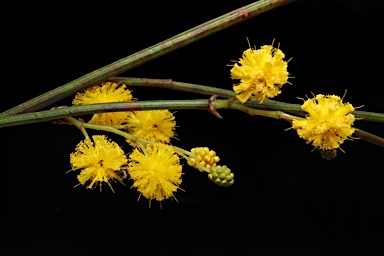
<point x="154" y="125"/>
<point x="99" y="161"/>
<point x="105" y="93"/>
<point x="328" y="122"/>
<point x="156" y="172"/>
<point x="262" y="73"/>
<point x="203" y="157"/>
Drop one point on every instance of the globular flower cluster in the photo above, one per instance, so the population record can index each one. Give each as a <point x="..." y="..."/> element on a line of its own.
<point x="156" y="172"/>
<point x="204" y="157"/>
<point x="154" y="125"/>
<point x="262" y="73"/>
<point x="107" y="92"/>
<point x="99" y="160"/>
<point x="328" y="123"/>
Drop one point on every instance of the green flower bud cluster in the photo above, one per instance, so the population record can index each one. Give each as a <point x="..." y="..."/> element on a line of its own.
<point x="222" y="176"/>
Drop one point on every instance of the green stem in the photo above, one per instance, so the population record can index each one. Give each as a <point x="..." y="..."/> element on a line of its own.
<point x="81" y="125"/>
<point x="173" y="85"/>
<point x="186" y="155"/>
<point x="183" y="151"/>
<point x="267" y="113"/>
<point x="208" y="90"/>
<point x="369" y="137"/>
<point x="82" y="129"/>
<point x="203" y="90"/>
<point x="150" y="53"/>
<point x="231" y="101"/>
<point x="369" y="116"/>
<point x="49" y="115"/>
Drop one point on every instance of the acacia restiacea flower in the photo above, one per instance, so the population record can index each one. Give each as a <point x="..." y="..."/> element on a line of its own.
<point x="156" y="172"/>
<point x="107" y="92"/>
<point x="154" y="125"/>
<point x="328" y="122"/>
<point x="262" y="73"/>
<point x="99" y="161"/>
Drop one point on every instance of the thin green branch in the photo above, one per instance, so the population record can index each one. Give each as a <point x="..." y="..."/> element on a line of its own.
<point x="150" y="53"/>
<point x="58" y="113"/>
<point x="205" y="90"/>
<point x="173" y="85"/>
<point x="62" y="112"/>
<point x="277" y="114"/>
<point x="186" y="153"/>
<point x="84" y="132"/>
<point x="369" y="137"/>
<point x="49" y="115"/>
<point x="223" y="93"/>
<point x="81" y="125"/>
<point x="369" y="116"/>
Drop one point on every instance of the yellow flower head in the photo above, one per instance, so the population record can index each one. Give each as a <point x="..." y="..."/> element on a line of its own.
<point x="328" y="123"/>
<point x="154" y="125"/>
<point x="105" y="93"/>
<point x="156" y="173"/>
<point x="99" y="160"/>
<point x="261" y="72"/>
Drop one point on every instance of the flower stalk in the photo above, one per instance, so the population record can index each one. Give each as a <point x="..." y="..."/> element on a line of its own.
<point x="81" y="125"/>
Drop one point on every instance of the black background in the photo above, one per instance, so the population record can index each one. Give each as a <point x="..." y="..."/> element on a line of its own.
<point x="286" y="199"/>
